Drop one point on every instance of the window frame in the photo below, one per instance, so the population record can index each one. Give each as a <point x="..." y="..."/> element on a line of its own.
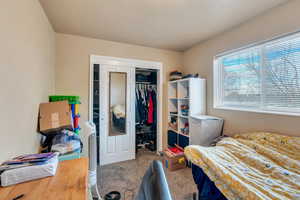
<point x="218" y="76"/>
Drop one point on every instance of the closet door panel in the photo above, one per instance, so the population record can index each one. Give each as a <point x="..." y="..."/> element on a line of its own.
<point x="117" y="136"/>
<point x="125" y="142"/>
<point x="111" y="145"/>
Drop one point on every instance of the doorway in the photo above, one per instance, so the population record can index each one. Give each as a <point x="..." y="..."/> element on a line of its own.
<point x="114" y="83"/>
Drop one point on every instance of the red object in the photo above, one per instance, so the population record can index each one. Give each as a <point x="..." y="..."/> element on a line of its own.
<point x="175" y="150"/>
<point x="76" y="121"/>
<point x="150" y="110"/>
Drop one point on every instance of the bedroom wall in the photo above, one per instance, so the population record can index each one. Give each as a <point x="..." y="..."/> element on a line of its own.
<point x="73" y="58"/>
<point x="26" y="74"/>
<point x="199" y="59"/>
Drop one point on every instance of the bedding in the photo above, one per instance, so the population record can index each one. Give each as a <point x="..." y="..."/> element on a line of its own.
<point x="119" y="118"/>
<point x="252" y="166"/>
<point x="119" y="111"/>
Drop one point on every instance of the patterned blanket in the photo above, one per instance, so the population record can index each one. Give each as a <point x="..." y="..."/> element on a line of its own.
<point x="252" y="166"/>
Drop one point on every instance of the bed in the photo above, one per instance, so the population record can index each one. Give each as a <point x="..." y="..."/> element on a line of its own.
<point x="250" y="166"/>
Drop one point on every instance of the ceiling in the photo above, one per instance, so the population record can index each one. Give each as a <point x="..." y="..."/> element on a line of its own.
<point x="167" y="24"/>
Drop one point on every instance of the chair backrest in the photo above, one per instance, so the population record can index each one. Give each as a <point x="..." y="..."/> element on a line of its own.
<point x="154" y="184"/>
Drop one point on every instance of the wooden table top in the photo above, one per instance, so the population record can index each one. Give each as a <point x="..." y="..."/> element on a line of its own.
<point x="69" y="183"/>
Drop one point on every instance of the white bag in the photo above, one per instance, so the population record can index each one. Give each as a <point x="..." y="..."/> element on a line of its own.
<point x="20" y="175"/>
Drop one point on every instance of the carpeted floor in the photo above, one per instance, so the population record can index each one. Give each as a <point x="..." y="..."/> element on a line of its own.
<point x="125" y="177"/>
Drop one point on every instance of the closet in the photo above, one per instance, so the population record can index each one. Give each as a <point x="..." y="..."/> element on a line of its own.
<point x="146" y="109"/>
<point x="126" y="106"/>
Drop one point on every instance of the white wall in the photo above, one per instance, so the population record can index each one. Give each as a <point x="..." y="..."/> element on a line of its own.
<point x="73" y="61"/>
<point x="26" y="74"/>
<point x="199" y="59"/>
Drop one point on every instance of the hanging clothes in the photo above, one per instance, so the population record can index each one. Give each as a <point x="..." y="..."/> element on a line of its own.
<point x="146" y="111"/>
<point x="150" y="109"/>
<point x="154" y="99"/>
<point x="145" y="104"/>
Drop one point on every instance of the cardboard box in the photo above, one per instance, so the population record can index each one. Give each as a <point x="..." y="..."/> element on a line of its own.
<point x="54" y="116"/>
<point x="173" y="163"/>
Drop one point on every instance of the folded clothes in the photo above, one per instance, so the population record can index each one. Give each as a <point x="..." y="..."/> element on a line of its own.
<point x="191" y="76"/>
<point x="175" y="75"/>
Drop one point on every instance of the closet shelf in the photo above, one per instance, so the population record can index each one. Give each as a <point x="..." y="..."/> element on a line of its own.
<point x="148" y="83"/>
<point x="178" y="132"/>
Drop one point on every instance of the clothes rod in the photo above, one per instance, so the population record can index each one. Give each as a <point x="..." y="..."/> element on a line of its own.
<point x="150" y="83"/>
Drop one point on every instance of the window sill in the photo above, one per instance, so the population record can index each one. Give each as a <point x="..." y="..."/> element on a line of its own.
<point x="257" y="111"/>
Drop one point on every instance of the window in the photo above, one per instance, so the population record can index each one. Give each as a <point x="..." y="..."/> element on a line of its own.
<point x="261" y="78"/>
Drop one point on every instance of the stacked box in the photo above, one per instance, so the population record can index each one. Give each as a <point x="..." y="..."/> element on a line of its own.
<point x="74" y="102"/>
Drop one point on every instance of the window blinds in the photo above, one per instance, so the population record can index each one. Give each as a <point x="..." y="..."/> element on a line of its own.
<point x="264" y="77"/>
<point x="281" y="75"/>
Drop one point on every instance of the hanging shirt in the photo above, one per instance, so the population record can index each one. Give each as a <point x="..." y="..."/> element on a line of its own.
<point x="150" y="109"/>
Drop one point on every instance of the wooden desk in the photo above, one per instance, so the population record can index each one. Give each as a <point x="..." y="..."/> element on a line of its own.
<point x="69" y="183"/>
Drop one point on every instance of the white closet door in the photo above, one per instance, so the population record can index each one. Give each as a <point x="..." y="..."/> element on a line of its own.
<point x="117" y="114"/>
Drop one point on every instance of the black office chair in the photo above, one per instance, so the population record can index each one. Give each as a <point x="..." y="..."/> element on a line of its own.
<point x="154" y="184"/>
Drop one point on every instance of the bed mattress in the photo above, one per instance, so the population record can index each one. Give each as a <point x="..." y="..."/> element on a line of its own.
<point x="252" y="166"/>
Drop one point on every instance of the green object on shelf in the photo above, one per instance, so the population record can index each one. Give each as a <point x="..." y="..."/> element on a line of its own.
<point x="70" y="99"/>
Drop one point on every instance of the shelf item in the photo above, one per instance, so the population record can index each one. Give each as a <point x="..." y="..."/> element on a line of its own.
<point x="184" y="109"/>
<point x="183" y="141"/>
<point x="183" y="126"/>
<point x="186" y="98"/>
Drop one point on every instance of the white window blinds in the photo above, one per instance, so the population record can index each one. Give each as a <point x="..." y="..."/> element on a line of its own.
<point x="265" y="77"/>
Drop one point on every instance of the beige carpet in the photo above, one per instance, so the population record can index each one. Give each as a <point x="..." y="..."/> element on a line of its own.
<point x="125" y="177"/>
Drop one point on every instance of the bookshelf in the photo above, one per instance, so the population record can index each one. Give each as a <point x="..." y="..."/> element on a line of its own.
<point x="186" y="97"/>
